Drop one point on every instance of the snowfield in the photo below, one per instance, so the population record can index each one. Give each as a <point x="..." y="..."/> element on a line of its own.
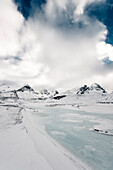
<point x="45" y="131"/>
<point x="24" y="146"/>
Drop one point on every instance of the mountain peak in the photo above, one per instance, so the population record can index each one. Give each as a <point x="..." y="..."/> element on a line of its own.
<point x="83" y="89"/>
<point x="49" y="92"/>
<point x="97" y="87"/>
<point x="93" y="87"/>
<point x="26" y="88"/>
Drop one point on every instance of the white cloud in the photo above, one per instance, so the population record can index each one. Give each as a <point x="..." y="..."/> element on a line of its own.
<point x="77" y="6"/>
<point x="10" y="24"/>
<point x="105" y="50"/>
<point x="51" y="55"/>
<point x="63" y="59"/>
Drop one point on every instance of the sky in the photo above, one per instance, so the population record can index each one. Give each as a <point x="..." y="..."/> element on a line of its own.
<point x="59" y="44"/>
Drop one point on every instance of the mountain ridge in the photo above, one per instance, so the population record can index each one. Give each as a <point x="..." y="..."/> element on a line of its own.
<point x="94" y="93"/>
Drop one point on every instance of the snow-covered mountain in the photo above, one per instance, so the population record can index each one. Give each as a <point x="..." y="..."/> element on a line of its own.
<point x="93" y="88"/>
<point x="85" y="89"/>
<point x="85" y="94"/>
<point x="26" y="93"/>
<point x="25" y="88"/>
<point x="49" y="92"/>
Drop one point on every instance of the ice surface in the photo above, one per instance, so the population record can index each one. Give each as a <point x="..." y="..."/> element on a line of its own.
<point x="71" y="128"/>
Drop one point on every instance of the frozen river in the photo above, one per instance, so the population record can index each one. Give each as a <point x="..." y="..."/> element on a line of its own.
<point x="71" y="128"/>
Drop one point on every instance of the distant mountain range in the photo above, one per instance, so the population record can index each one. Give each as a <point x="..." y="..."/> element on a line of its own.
<point x="85" y="89"/>
<point x="85" y="94"/>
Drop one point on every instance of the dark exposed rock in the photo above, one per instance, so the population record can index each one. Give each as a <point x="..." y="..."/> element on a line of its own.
<point x="59" y="97"/>
<point x="25" y="88"/>
<point x="96" y="130"/>
<point x="56" y="92"/>
<point x="83" y="89"/>
<point x="97" y="87"/>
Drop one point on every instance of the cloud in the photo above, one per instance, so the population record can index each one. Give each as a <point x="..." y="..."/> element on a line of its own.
<point x="61" y="49"/>
<point x="105" y="50"/>
<point x="79" y="5"/>
<point x="10" y="25"/>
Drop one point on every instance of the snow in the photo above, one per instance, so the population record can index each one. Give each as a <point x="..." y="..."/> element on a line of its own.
<point x="24" y="146"/>
<point x="32" y="131"/>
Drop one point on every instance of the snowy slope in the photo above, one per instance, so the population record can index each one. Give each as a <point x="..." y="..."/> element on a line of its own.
<point x="108" y="99"/>
<point x="85" y="95"/>
<point x="27" y="93"/>
<point x="17" y="151"/>
<point x="25" y="146"/>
